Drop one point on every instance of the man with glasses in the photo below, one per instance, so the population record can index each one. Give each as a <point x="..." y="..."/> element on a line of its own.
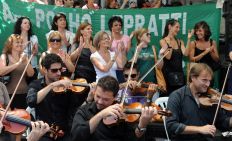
<point x="88" y="122"/>
<point x="190" y="120"/>
<point x="132" y="94"/>
<point x="50" y="107"/>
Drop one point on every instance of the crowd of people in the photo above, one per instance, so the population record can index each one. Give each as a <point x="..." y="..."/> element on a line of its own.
<point x="114" y="70"/>
<point x="117" y="4"/>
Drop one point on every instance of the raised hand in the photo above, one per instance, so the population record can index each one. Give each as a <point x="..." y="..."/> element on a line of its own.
<point x="190" y="33"/>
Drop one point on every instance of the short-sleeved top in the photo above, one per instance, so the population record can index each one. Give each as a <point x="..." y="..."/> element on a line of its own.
<point x="99" y="73"/>
<point x="144" y="62"/>
<point x="125" y="39"/>
<point x="28" y="51"/>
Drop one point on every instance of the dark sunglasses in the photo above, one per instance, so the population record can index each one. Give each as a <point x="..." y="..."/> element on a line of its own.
<point x="56" y="70"/>
<point x="55" y="40"/>
<point x="132" y="75"/>
<point x="148" y="34"/>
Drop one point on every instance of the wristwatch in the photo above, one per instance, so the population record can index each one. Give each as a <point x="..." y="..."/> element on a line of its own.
<point x="141" y="129"/>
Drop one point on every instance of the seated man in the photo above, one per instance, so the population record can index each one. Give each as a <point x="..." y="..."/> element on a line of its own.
<point x="136" y="93"/>
<point x="191" y="121"/>
<point x="88" y="122"/>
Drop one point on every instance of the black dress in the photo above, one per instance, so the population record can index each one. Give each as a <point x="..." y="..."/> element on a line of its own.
<point x="173" y="70"/>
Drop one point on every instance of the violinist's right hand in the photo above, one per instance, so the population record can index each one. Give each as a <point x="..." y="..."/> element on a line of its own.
<point x="113" y="110"/>
<point x="132" y="84"/>
<point x="208" y="130"/>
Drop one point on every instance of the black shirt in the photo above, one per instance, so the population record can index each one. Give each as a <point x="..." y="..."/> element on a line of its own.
<point x="185" y="111"/>
<point x="52" y="109"/>
<point x="81" y="130"/>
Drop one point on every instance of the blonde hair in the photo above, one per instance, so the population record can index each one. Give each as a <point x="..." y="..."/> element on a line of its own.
<point x="9" y="43"/>
<point x="97" y="38"/>
<point x="53" y="34"/>
<point x="139" y="33"/>
<point x="197" y="68"/>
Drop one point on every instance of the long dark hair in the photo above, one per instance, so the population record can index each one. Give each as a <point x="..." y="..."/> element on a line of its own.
<point x="171" y="22"/>
<point x="205" y="27"/>
<point x="17" y="27"/>
<point x="56" y="18"/>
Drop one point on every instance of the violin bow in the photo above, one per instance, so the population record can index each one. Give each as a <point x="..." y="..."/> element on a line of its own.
<point x="220" y="98"/>
<point x="129" y="77"/>
<point x="161" y="59"/>
<point x="16" y="88"/>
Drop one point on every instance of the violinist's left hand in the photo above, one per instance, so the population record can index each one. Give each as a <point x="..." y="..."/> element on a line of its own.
<point x="152" y="88"/>
<point x="147" y="114"/>
<point x="39" y="128"/>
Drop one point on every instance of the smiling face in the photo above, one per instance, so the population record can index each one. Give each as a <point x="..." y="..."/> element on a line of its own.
<point x="17" y="45"/>
<point x="105" y="41"/>
<point x="117" y="27"/>
<point x="61" y="23"/>
<point x="200" y="33"/>
<point x="54" y="40"/>
<point x="174" y="29"/>
<point x="87" y="32"/>
<point x="201" y="83"/>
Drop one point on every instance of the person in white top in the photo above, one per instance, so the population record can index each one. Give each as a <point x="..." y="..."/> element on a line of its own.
<point x="105" y="62"/>
<point x="23" y="27"/>
<point x="90" y="5"/>
<point x="60" y="24"/>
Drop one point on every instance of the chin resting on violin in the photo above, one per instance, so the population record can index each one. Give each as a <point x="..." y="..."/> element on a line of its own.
<point x="88" y="122"/>
<point x="190" y="120"/>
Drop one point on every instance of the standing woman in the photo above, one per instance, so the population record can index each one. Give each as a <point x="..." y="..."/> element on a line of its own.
<point x="83" y="50"/>
<point x="105" y="62"/>
<point x="118" y="39"/>
<point x="145" y="54"/>
<point x="54" y="46"/>
<point x="203" y="49"/>
<point x="173" y="68"/>
<point x="13" y="62"/>
<point x="23" y="27"/>
<point x="60" y="24"/>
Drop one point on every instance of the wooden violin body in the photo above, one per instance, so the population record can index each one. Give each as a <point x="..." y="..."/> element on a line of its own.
<point x="78" y="89"/>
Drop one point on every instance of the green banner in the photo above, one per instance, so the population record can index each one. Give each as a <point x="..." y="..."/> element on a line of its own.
<point x="153" y="19"/>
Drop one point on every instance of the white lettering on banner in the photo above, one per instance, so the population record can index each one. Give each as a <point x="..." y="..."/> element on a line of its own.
<point x="128" y="23"/>
<point x="73" y="23"/>
<point x="49" y="18"/>
<point x="86" y="18"/>
<point x="184" y="23"/>
<point x="7" y="14"/>
<point x="39" y="16"/>
<point x="164" y="18"/>
<point x="152" y="27"/>
<point x="103" y="22"/>
<point x="139" y="21"/>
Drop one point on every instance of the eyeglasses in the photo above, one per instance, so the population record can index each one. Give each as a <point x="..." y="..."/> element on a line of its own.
<point x="132" y="75"/>
<point x="55" y="40"/>
<point x="56" y="70"/>
<point x="148" y="34"/>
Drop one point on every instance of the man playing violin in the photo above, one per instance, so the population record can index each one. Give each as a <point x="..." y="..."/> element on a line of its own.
<point x="191" y="121"/>
<point x="50" y="107"/>
<point x="88" y="122"/>
<point x="135" y="93"/>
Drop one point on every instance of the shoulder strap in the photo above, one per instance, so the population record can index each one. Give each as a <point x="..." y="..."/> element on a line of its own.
<point x="167" y="43"/>
<point x="7" y="60"/>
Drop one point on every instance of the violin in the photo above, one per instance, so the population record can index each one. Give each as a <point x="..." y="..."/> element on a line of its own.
<point x="142" y="88"/>
<point x="17" y="121"/>
<point x="212" y="98"/>
<point x="79" y="86"/>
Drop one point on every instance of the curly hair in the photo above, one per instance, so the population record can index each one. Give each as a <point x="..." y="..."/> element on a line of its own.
<point x="9" y="43"/>
<point x="114" y="19"/>
<point x="109" y="83"/>
<point x="50" y="59"/>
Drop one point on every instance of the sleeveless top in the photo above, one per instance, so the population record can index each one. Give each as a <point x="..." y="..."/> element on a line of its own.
<point x="84" y="67"/>
<point x="15" y="76"/>
<point x="174" y="64"/>
<point x="207" y="59"/>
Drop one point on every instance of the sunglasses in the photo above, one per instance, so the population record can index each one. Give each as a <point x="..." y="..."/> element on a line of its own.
<point x="148" y="34"/>
<point x="56" y="70"/>
<point x="132" y="75"/>
<point x="55" y="40"/>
